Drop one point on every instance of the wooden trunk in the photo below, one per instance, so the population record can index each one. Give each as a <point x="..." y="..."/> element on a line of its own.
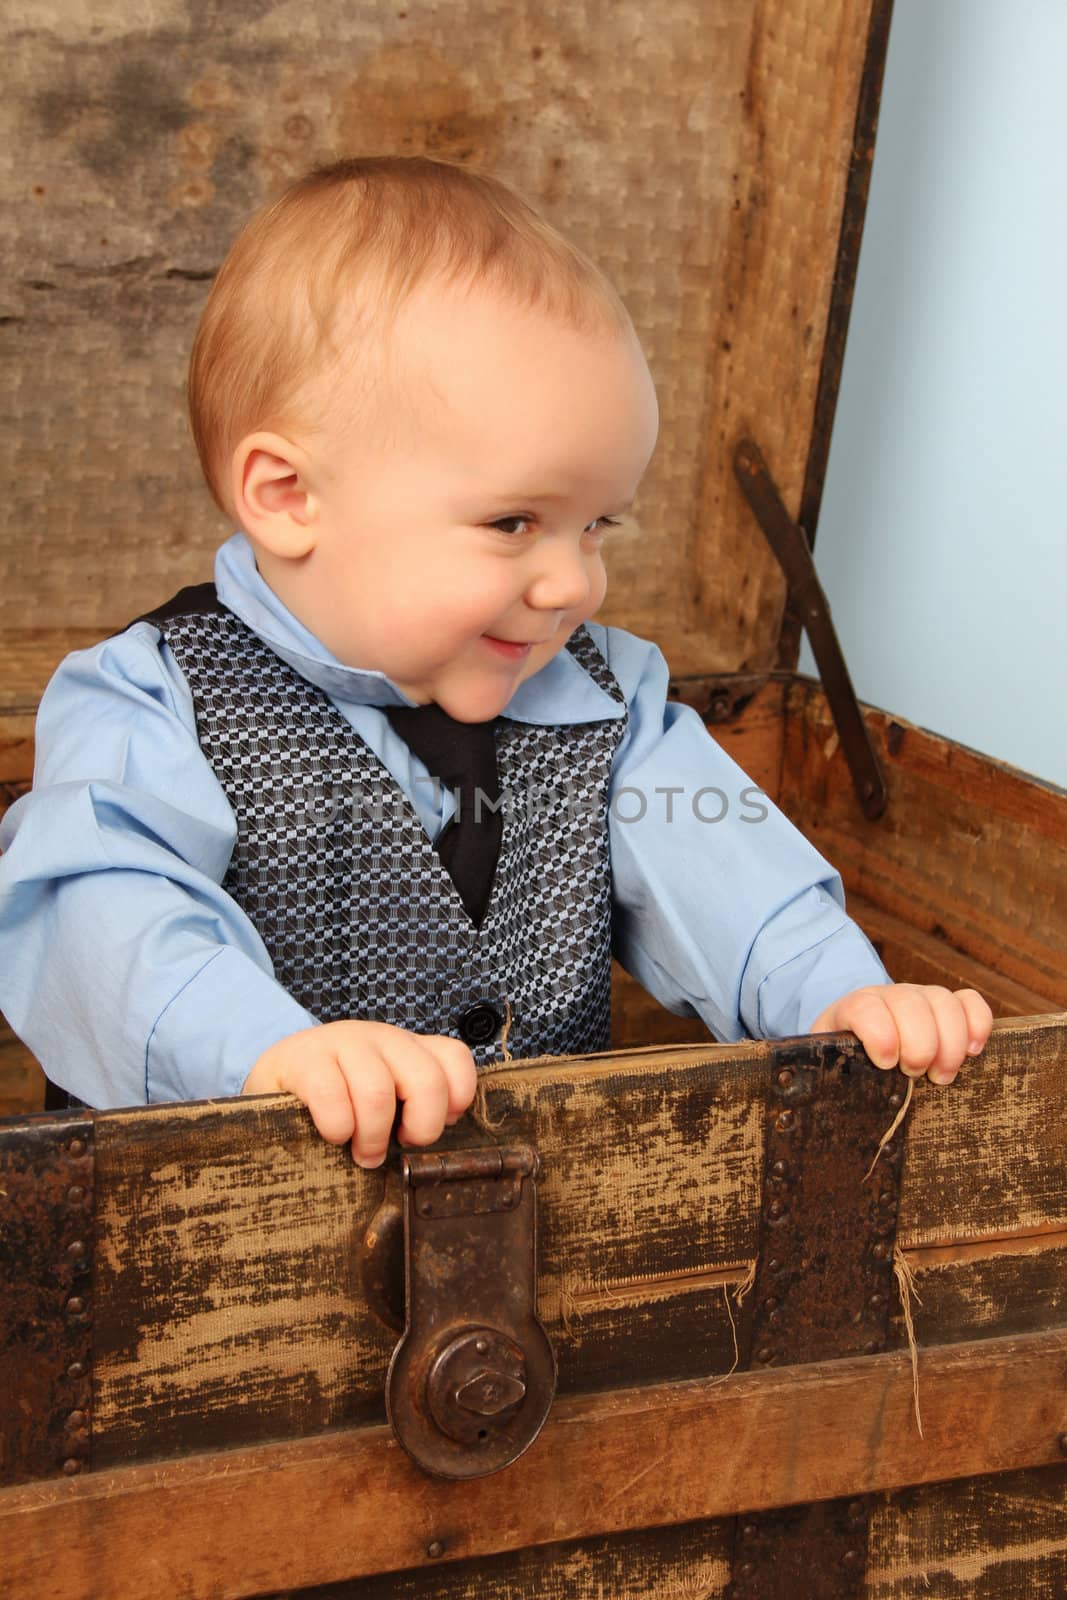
<point x="191" y="1378"/>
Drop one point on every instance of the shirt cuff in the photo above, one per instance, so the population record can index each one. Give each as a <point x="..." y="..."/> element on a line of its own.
<point x="781" y="998"/>
<point x="210" y="1036"/>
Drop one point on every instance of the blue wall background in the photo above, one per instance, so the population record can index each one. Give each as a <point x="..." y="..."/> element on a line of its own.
<point x="942" y="543"/>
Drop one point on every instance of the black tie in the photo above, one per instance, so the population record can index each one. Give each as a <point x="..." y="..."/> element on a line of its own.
<point x="463" y="756"/>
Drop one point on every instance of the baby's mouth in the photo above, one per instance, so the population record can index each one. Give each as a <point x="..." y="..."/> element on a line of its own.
<point x="515" y="649"/>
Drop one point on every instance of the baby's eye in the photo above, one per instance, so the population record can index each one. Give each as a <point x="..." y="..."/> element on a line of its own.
<point x="512" y="524"/>
<point x="601" y="523"/>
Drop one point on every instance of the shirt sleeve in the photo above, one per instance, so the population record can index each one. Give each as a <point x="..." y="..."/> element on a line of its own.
<point x="722" y="909"/>
<point x="124" y="966"/>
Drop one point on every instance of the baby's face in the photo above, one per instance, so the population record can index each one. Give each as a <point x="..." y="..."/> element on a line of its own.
<point x="460" y="551"/>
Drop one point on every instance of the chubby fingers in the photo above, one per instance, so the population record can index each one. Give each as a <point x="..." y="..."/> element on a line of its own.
<point x="432" y="1077"/>
<point x="979" y="1020"/>
<point x="922" y="1028"/>
<point x="305" y="1065"/>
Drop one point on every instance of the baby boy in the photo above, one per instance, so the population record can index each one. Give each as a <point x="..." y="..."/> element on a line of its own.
<point x="239" y="869"/>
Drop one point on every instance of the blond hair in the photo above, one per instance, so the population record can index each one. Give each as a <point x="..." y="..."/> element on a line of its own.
<point x="358" y="237"/>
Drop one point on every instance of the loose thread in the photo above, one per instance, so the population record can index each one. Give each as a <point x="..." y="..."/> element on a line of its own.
<point x="739" y="1294"/>
<point x="479" y="1111"/>
<point x="569" y="1313"/>
<point x="733" y="1328"/>
<point x="893" y="1126"/>
<point x="745" y="1285"/>
<point x="906" y="1286"/>
<point x="504" y="1034"/>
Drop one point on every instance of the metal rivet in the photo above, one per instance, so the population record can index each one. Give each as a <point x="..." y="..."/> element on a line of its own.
<point x="876" y="1302"/>
<point x="850" y="1558"/>
<point x="896" y="1101"/>
<point x="75" y="1193"/>
<point x="785" y="1077"/>
<point x="76" y="1248"/>
<point x="872" y="1347"/>
<point x="426" y="1207"/>
<point x="76" y="1370"/>
<point x="780" y="1168"/>
<point x="746" y="1569"/>
<point x="70" y="1466"/>
<point x="774" y="1265"/>
<point x="748" y="1530"/>
<point x="880" y="1250"/>
<point x="434" y="1549"/>
<point x="765" y="1354"/>
<point x="76" y="1419"/>
<point x="481" y="1345"/>
<point x="770" y="1303"/>
<point x="784" y="1119"/>
<point x="775" y="1208"/>
<point x="77" y="1147"/>
<point x="856" y="1508"/>
<point x="75" y="1305"/>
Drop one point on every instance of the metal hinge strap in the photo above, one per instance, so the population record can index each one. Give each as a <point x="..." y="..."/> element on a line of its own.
<point x="823" y="1287"/>
<point x="46" y="1255"/>
<point x="790" y="546"/>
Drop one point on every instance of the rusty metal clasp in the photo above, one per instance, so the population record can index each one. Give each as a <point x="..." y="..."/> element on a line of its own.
<point x="472" y="1379"/>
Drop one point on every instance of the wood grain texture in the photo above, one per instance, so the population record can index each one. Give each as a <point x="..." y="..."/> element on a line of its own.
<point x="21" y="1078"/>
<point x="970" y="852"/>
<point x="353" y="1503"/>
<point x="145" y="139"/>
<point x="996" y="1538"/>
<point x="228" y="1309"/>
<point x="912" y="956"/>
<point x="686" y="1562"/>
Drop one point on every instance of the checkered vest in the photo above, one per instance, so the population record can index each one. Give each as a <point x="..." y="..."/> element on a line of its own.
<point x="335" y="870"/>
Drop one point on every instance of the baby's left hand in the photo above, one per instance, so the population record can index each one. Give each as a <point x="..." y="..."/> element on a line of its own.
<point x="919" y="1027"/>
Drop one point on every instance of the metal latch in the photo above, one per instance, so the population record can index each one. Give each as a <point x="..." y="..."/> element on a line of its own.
<point x="472" y="1379"/>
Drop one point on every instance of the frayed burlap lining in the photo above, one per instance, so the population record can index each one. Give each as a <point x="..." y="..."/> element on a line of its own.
<point x="906" y="1285"/>
<point x="901" y="1269"/>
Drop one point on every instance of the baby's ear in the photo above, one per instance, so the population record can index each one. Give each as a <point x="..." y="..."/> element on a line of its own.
<point x="273" y="502"/>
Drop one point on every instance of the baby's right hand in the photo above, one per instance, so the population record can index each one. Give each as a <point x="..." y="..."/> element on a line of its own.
<point x="351" y="1075"/>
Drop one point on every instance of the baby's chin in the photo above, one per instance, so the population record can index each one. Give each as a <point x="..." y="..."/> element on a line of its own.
<point x="472" y="706"/>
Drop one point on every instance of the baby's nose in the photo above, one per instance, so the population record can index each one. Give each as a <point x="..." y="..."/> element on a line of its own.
<point x="562" y="581"/>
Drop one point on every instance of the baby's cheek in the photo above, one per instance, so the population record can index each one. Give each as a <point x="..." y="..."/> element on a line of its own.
<point x="598" y="591"/>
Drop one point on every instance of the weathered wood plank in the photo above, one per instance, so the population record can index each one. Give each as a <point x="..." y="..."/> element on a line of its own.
<point x="687" y="1562"/>
<point x="228" y="1309"/>
<point x="352" y="1502"/>
<point x="912" y="956"/>
<point x="748" y="109"/>
<point x="987" y="1158"/>
<point x="969" y="852"/>
<point x="21" y="1079"/>
<point x="1000" y="1287"/>
<point x="994" y="1538"/>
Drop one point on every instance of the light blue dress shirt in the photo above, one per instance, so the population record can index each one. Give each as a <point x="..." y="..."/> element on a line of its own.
<point x="133" y="977"/>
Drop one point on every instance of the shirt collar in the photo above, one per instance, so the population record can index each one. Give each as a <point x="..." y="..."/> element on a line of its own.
<point x="561" y="692"/>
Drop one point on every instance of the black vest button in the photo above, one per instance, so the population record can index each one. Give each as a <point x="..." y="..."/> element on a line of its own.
<point x="479" y="1023"/>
